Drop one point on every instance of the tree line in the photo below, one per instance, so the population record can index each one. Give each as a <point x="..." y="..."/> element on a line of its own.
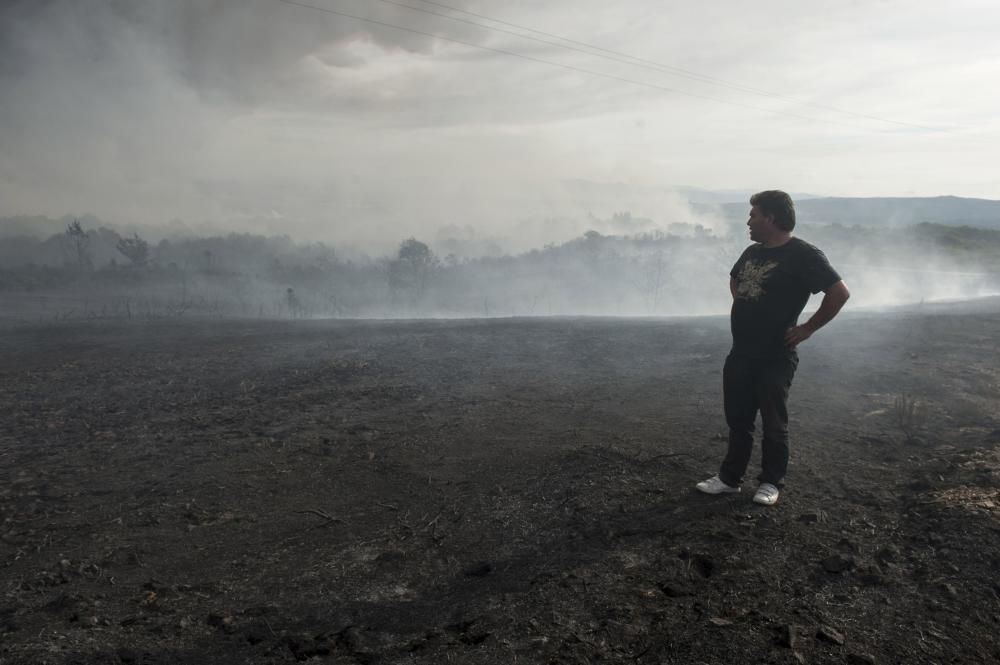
<point x="652" y="273"/>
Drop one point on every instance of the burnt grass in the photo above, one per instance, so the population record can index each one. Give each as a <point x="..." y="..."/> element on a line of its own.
<point x="492" y="491"/>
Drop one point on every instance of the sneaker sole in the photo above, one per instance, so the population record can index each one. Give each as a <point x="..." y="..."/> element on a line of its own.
<point x="733" y="490"/>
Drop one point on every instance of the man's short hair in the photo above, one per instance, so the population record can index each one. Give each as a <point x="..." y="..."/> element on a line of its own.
<point x="777" y="203"/>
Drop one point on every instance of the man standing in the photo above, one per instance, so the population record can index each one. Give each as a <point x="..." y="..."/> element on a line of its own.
<point x="770" y="283"/>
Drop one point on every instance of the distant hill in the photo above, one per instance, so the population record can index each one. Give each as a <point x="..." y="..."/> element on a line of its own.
<point x="891" y="211"/>
<point x="702" y="197"/>
<point x="881" y="212"/>
<point x="39" y="226"/>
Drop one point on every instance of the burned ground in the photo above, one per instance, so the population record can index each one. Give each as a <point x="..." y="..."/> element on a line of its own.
<point x="492" y="491"/>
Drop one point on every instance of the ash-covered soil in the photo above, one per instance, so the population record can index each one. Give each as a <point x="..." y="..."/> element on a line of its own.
<point x="492" y="491"/>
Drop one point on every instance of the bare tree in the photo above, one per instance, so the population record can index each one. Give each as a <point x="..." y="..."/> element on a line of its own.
<point x="79" y="241"/>
<point x="135" y="249"/>
<point x="652" y="278"/>
<point x="293" y="303"/>
<point x="411" y="269"/>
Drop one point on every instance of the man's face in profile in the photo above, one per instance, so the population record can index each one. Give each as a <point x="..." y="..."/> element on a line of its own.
<point x="761" y="226"/>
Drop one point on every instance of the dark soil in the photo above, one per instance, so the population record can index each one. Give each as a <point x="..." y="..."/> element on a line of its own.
<point x="493" y="491"/>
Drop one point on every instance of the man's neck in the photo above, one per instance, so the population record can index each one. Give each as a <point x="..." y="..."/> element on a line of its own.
<point x="778" y="240"/>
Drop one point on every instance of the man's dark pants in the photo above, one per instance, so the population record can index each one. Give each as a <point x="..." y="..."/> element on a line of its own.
<point x="749" y="386"/>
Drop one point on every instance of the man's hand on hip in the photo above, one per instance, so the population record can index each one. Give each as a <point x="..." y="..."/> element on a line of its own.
<point x="796" y="335"/>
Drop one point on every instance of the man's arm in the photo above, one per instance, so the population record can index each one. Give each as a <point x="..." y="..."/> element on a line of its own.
<point x="833" y="299"/>
<point x="732" y="287"/>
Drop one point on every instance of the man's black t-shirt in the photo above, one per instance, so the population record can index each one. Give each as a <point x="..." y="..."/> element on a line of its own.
<point x="773" y="285"/>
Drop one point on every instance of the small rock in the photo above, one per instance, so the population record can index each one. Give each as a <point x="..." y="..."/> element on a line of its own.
<point x="304" y="648"/>
<point x="871" y="579"/>
<point x="788" y="636"/>
<point x="703" y="565"/>
<point x="860" y="659"/>
<point x="848" y="545"/>
<point x="218" y="620"/>
<point x="837" y="563"/>
<point x="830" y="634"/>
<point x="390" y="557"/>
<point x="256" y="632"/>
<point x="462" y="624"/>
<point x="351" y="637"/>
<point x="719" y="621"/>
<point x="888" y="554"/>
<point x="672" y="590"/>
<point x="480" y="569"/>
<point x="630" y="631"/>
<point x="128" y="656"/>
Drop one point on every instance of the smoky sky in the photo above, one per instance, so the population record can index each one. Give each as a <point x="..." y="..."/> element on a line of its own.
<point x="264" y="116"/>
<point x="245" y="51"/>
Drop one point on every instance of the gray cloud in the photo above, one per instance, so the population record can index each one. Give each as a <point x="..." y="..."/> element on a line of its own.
<point x="246" y="50"/>
<point x="260" y="113"/>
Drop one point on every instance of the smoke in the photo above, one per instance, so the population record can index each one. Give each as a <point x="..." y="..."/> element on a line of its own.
<point x="933" y="279"/>
<point x="248" y="52"/>
<point x="266" y="117"/>
<point x="891" y="266"/>
<point x="193" y="109"/>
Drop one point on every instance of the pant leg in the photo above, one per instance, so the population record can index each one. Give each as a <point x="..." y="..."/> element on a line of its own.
<point x="772" y="385"/>
<point x="740" y="403"/>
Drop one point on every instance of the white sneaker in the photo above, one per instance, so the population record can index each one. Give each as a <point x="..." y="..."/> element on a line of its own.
<point x="714" y="485"/>
<point x="767" y="495"/>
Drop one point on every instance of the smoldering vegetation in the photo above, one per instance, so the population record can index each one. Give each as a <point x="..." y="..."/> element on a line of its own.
<point x="97" y="272"/>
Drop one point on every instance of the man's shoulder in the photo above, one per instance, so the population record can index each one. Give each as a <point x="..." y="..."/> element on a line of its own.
<point x="812" y="259"/>
<point x="805" y="245"/>
<point x="794" y="247"/>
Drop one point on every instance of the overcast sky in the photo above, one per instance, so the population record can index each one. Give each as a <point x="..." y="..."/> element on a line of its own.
<point x="266" y="116"/>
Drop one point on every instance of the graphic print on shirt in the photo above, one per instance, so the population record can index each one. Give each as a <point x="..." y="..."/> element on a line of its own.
<point x="750" y="282"/>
